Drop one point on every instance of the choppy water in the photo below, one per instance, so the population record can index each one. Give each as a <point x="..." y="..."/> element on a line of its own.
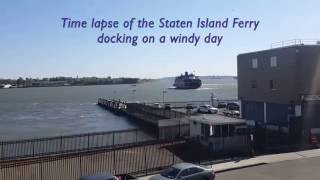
<point x="38" y="112"/>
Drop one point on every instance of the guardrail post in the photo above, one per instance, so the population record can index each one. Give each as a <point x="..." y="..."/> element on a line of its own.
<point x="2" y="151"/>
<point x="61" y="148"/>
<point x="136" y="135"/>
<point x="113" y="139"/>
<point x="41" y="174"/>
<point x="80" y="164"/>
<point x="145" y="160"/>
<point x="114" y="155"/>
<point x="88" y="139"/>
<point x="172" y="155"/>
<point x="33" y="148"/>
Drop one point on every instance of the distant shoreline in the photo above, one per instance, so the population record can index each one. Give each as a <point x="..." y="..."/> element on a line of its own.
<point x="84" y="81"/>
<point x="67" y="81"/>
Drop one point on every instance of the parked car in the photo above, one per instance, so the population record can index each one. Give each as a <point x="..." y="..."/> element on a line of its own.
<point x="167" y="106"/>
<point x="233" y="106"/>
<point x="207" y="109"/>
<point x="191" y="106"/>
<point x="184" y="171"/>
<point x="156" y="105"/>
<point x="222" y="105"/>
<point x="107" y="176"/>
<point x="233" y="113"/>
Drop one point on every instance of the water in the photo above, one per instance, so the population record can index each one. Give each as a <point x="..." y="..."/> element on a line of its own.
<point x="42" y="112"/>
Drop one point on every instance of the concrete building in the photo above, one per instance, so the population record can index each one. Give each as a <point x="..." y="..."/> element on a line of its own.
<point x="279" y="88"/>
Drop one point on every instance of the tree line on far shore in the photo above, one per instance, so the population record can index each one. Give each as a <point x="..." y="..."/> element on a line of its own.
<point x="69" y="81"/>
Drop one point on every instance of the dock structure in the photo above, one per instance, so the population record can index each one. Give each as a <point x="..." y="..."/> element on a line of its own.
<point x="170" y="123"/>
<point x="115" y="106"/>
<point x="141" y="111"/>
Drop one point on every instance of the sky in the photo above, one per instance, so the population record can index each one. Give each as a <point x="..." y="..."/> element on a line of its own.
<point x="34" y="44"/>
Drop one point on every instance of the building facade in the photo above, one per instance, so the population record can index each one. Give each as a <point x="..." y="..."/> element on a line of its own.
<point x="279" y="88"/>
<point x="220" y="133"/>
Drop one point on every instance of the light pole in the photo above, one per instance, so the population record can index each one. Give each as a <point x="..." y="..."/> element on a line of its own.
<point x="211" y="97"/>
<point x="163" y="92"/>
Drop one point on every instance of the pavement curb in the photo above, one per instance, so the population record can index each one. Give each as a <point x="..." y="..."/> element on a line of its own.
<point x="240" y="167"/>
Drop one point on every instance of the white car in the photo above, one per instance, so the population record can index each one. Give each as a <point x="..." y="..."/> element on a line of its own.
<point x="185" y="171"/>
<point x="156" y="105"/>
<point x="232" y="113"/>
<point x="208" y="109"/>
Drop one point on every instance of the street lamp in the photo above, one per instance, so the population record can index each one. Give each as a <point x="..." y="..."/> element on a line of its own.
<point x="163" y="92"/>
<point x="211" y="97"/>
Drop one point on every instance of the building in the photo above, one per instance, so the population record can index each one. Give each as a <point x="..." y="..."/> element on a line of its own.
<point x="279" y="88"/>
<point x="220" y="133"/>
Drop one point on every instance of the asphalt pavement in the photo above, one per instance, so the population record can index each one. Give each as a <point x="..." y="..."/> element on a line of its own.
<point x="299" y="169"/>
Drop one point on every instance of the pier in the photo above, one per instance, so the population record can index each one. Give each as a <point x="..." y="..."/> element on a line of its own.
<point x="169" y="122"/>
<point x="142" y="111"/>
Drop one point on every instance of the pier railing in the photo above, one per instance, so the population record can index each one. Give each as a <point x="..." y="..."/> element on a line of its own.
<point x="71" y="143"/>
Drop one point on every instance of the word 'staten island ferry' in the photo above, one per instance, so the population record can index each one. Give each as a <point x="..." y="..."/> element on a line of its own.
<point x="187" y="81"/>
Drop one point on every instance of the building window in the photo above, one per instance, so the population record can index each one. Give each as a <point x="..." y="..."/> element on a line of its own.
<point x="273" y="61"/>
<point x="255" y="63"/>
<point x="254" y="84"/>
<point x="271" y="84"/>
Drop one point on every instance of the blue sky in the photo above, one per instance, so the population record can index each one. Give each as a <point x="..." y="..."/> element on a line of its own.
<point x="34" y="44"/>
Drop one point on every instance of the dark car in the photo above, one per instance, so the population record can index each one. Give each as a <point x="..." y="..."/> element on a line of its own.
<point x="167" y="106"/>
<point x="191" y="106"/>
<point x="222" y="105"/>
<point x="233" y="106"/>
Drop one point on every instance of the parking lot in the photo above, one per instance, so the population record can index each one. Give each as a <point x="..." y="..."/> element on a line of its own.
<point x="221" y="112"/>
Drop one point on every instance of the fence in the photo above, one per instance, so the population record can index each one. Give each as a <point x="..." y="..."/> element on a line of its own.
<point x="137" y="160"/>
<point x="174" y="132"/>
<point x="71" y="143"/>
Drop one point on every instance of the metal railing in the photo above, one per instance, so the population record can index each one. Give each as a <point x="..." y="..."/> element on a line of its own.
<point x="138" y="160"/>
<point x="183" y="104"/>
<point x="146" y="158"/>
<point x="70" y="143"/>
<point x="293" y="42"/>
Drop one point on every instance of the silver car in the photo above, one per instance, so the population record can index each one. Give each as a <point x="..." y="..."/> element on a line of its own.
<point x="185" y="171"/>
<point x="208" y="109"/>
